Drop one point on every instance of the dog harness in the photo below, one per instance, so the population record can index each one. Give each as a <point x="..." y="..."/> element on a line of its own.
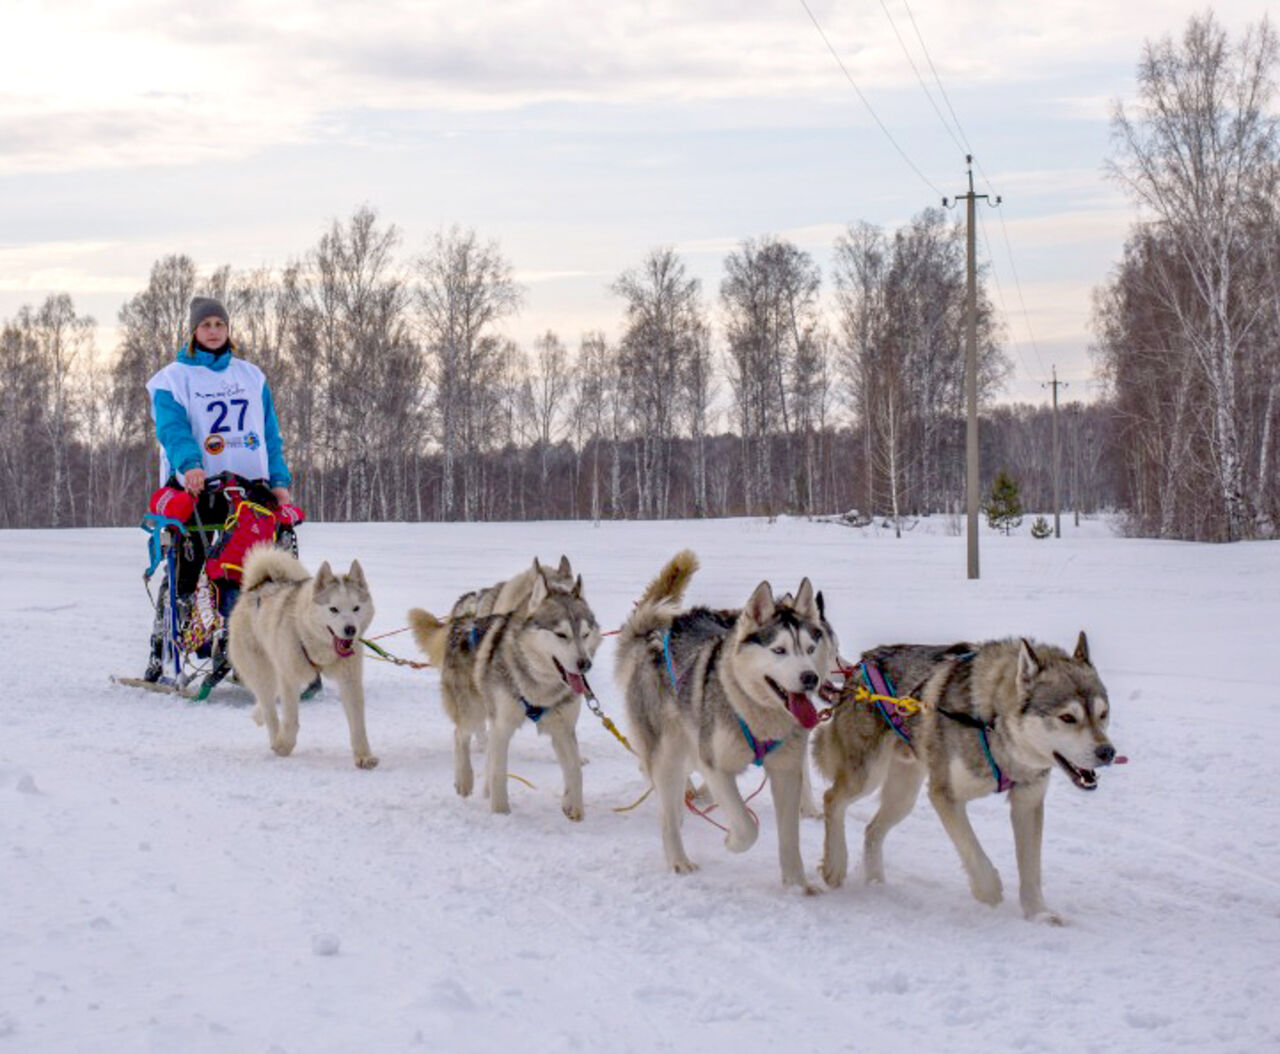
<point x="1003" y="782"/>
<point x="894" y="716"/>
<point x="759" y="747"/>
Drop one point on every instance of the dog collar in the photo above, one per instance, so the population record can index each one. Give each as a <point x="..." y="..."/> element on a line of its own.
<point x="310" y="661"/>
<point x="533" y="713"/>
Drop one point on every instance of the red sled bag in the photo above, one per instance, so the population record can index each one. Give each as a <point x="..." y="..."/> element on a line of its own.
<point x="250" y="524"/>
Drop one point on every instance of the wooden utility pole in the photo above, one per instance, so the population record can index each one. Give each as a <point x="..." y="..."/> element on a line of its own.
<point x="971" y="372"/>
<point x="1055" y="384"/>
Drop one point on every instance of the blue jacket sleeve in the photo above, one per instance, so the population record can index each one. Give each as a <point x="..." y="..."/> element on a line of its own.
<point x="278" y="471"/>
<point x="173" y="430"/>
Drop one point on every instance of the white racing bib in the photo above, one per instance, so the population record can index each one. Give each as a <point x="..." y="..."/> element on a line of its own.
<point x="227" y="417"/>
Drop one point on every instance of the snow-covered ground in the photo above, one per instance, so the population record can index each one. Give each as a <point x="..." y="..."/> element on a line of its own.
<point x="168" y="884"/>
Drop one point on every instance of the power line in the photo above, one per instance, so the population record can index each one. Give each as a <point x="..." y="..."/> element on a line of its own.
<point x="924" y="87"/>
<point x="876" y="117"/>
<point x="936" y="78"/>
<point x="1026" y="316"/>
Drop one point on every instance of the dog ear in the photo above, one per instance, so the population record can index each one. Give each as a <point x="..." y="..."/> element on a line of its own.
<point x="537" y="567"/>
<point x="324" y="576"/>
<point x="538" y="593"/>
<point x="564" y="570"/>
<point x="577" y="588"/>
<point x="822" y="606"/>
<point x="1028" y="662"/>
<point x="1082" y="650"/>
<point x="356" y="574"/>
<point x="760" y="607"/>
<point x="804" y="597"/>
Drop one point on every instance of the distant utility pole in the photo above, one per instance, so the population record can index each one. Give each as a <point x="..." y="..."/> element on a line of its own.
<point x="971" y="372"/>
<point x="1055" y="384"/>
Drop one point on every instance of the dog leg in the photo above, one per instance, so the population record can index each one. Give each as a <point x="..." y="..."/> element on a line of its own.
<point x="463" y="776"/>
<point x="1026" y="809"/>
<point x="897" y="799"/>
<point x="670" y="772"/>
<point x="743" y="830"/>
<point x="786" y="784"/>
<point x="286" y="737"/>
<point x="809" y="807"/>
<point x="264" y="713"/>
<point x="984" y="880"/>
<point x="852" y="781"/>
<point x="565" y="741"/>
<point x="496" y="762"/>
<point x="351" y="690"/>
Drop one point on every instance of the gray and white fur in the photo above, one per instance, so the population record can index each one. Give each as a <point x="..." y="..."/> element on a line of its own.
<point x="524" y="660"/>
<point x="1038" y="708"/>
<point x="703" y="685"/>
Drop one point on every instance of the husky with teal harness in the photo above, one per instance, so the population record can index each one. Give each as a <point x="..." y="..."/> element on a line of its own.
<point x="720" y="691"/>
<point x="972" y="720"/>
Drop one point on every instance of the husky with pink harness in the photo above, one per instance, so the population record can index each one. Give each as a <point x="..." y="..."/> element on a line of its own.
<point x="718" y="691"/>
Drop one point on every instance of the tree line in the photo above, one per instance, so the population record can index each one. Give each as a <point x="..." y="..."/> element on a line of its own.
<point x="401" y="398"/>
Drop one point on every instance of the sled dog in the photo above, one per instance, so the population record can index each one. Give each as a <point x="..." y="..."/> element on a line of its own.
<point x="522" y="660"/>
<point x="286" y="628"/>
<point x="994" y="717"/>
<point x="719" y="690"/>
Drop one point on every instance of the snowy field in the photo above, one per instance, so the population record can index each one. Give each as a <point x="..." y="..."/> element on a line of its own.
<point x="168" y="884"/>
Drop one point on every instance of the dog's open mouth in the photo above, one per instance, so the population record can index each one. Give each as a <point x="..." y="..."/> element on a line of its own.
<point x="576" y="682"/>
<point x="343" y="645"/>
<point x="1085" y="779"/>
<point x="798" y="704"/>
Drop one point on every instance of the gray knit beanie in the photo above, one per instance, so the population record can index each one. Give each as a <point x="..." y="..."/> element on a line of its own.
<point x="203" y="307"/>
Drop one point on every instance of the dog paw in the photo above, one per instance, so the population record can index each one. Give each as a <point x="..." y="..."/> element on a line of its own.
<point x="684" y="867"/>
<point x="503" y="808"/>
<point x="1046" y="917"/>
<point x="739" y="841"/>
<point x="833" y="875"/>
<point x="282" y="746"/>
<point x="367" y="761"/>
<point x="574" y="812"/>
<point x="987" y="888"/>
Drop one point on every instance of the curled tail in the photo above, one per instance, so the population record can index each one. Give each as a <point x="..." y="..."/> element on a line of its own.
<point x="670" y="584"/>
<point x="661" y="599"/>
<point x="266" y="563"/>
<point x="431" y="633"/>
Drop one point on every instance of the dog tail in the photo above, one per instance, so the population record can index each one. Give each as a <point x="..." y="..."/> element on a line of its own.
<point x="660" y="601"/>
<point x="431" y="634"/>
<point x="266" y="563"/>
<point x="670" y="584"/>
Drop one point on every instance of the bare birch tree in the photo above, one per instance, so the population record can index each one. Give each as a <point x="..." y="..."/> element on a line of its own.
<point x="1190" y="153"/>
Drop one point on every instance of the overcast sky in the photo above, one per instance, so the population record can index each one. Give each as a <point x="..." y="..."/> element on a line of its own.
<point x="579" y="136"/>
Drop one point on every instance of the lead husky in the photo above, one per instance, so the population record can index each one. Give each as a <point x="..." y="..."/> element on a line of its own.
<point x="719" y="690"/>
<point x="500" y="669"/>
<point x="996" y="716"/>
<point x="286" y="628"/>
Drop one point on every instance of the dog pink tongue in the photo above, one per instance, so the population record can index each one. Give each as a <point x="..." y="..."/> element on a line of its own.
<point x="343" y="647"/>
<point x="576" y="684"/>
<point x="802" y="709"/>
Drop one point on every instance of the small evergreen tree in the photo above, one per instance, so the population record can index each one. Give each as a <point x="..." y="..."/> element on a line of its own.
<point x="1004" y="507"/>
<point x="1040" y="528"/>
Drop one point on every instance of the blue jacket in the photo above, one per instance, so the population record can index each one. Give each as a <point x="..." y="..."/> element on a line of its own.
<point x="173" y="426"/>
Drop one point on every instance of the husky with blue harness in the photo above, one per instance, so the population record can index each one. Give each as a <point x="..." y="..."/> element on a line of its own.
<point x="719" y="691"/>
<point x="512" y="654"/>
<point x="974" y="720"/>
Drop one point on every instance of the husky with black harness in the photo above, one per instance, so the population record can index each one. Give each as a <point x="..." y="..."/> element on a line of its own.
<point x="974" y="720"/>
<point x="512" y="654"/>
<point x="721" y="690"/>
